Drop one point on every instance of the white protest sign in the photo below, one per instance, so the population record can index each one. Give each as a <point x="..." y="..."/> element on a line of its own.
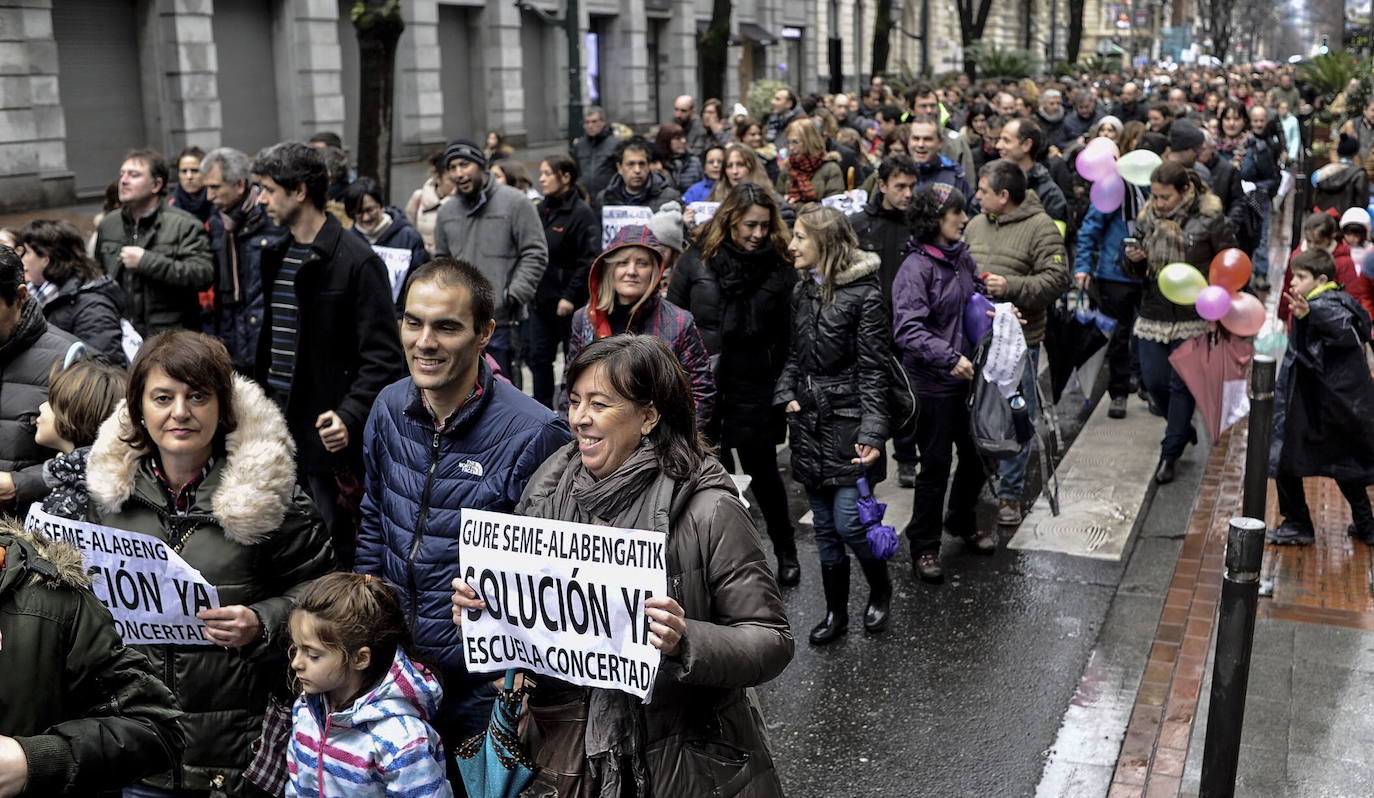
<point x="614" y="217"/>
<point x="397" y="262"/>
<point x="702" y="212"/>
<point x="151" y="592"/>
<point x="563" y="599"/>
<point x="848" y="202"/>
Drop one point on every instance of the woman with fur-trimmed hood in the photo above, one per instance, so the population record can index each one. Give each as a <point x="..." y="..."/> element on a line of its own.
<point x="202" y="459"/>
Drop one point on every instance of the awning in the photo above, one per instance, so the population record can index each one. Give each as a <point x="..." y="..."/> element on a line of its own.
<point x="704" y="24"/>
<point x="757" y="34"/>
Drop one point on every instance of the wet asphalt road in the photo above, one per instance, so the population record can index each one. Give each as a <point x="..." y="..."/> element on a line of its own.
<point x="964" y="693"/>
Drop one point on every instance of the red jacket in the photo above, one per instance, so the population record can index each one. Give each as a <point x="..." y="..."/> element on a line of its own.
<point x="1361" y="287"/>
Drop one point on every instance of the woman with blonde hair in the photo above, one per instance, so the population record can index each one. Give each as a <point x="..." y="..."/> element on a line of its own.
<point x="810" y="174"/>
<point x="737" y="284"/>
<point x="834" y="391"/>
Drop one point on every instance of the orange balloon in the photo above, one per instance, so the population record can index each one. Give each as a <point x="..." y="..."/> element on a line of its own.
<point x="1230" y="269"/>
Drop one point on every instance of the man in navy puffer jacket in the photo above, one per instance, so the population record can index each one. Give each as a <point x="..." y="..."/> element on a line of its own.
<point x="449" y="437"/>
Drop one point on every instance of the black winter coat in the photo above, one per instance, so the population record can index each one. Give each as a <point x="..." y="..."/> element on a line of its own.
<point x="239" y="303"/>
<point x="742" y="305"/>
<point x="837" y="371"/>
<point x="91" y="311"/>
<point x="88" y="711"/>
<point x="347" y="347"/>
<point x="1325" y="399"/>
<point x="26" y="359"/>
<point x="885" y="233"/>
<point x="1207" y="231"/>
<point x="573" y="232"/>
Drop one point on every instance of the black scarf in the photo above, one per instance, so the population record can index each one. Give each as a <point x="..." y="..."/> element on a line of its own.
<point x="740" y="273"/>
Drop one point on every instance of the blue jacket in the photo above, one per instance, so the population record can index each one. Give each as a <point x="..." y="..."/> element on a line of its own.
<point x="943" y="170"/>
<point x="1100" y="249"/>
<point x="400" y="234"/>
<point x="418" y="482"/>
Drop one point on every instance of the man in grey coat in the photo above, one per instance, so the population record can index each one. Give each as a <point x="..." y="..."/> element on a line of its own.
<point x="496" y="228"/>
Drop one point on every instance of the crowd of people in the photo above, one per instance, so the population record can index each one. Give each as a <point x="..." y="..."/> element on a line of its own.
<point x="301" y="387"/>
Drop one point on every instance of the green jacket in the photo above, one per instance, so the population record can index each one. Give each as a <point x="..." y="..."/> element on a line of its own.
<point x="254" y="535"/>
<point x="163" y="293"/>
<point x="828" y="180"/>
<point x="1025" y="247"/>
<point x="89" y="713"/>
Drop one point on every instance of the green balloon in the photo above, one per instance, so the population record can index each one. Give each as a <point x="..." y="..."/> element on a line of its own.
<point x="1180" y="283"/>
<point x="1136" y="166"/>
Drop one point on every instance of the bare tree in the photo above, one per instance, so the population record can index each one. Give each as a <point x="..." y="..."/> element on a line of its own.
<point x="882" y="35"/>
<point x="711" y="49"/>
<point x="1217" y="19"/>
<point x="379" y="26"/>
<point x="973" y="19"/>
<point x="1075" y="41"/>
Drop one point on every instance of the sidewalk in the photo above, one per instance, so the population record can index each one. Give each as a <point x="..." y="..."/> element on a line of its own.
<point x="1307" y="719"/>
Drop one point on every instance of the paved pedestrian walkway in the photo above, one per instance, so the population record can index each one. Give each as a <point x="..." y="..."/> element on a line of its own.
<point x="1307" y="720"/>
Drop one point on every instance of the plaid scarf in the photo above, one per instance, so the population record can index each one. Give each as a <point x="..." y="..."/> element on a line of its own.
<point x="1167" y="242"/>
<point x="802" y="168"/>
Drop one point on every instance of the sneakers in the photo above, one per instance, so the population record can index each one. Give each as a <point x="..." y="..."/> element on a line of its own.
<point x="1008" y="512"/>
<point x="984" y="543"/>
<point x="928" y="568"/>
<point x="906" y="475"/>
<point x="1290" y="534"/>
<point x="1118" y="408"/>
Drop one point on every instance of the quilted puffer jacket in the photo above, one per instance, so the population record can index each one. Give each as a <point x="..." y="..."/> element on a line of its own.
<point x="420" y="479"/>
<point x="837" y="371"/>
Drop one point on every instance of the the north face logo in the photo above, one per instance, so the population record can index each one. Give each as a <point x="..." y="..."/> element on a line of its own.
<point x="471" y="467"/>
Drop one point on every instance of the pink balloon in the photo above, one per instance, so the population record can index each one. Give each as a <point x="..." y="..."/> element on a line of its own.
<point x="1097" y="161"/>
<point x="1213" y="303"/>
<point x="1108" y="193"/>
<point x="1246" y="316"/>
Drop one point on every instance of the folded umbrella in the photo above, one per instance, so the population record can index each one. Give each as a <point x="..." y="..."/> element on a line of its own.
<point x="1213" y="365"/>
<point x="882" y="539"/>
<point x="493" y="763"/>
<point x="1074" y="332"/>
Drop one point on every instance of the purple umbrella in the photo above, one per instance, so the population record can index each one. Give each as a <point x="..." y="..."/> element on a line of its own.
<point x="882" y="539"/>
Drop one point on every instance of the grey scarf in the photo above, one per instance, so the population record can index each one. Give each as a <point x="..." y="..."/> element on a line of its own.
<point x="633" y="497"/>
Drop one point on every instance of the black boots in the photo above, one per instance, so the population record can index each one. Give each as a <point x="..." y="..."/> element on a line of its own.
<point x="879" y="595"/>
<point x="835" y="579"/>
<point x="789" y="572"/>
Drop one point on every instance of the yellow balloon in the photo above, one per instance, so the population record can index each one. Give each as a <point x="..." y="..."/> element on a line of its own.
<point x="1181" y="283"/>
<point x="1135" y="167"/>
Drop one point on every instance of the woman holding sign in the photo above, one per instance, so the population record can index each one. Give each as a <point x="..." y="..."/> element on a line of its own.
<point x="639" y="463"/>
<point x="737" y="284"/>
<point x="202" y="459"/>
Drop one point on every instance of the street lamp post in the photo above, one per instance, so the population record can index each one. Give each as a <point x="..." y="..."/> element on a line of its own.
<point x="573" y="31"/>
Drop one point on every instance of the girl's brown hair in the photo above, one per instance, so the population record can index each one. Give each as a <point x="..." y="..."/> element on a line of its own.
<point x="737" y="203"/>
<point x="82" y="396"/>
<point x="194" y="358"/>
<point x="757" y="173"/>
<point x="835" y="244"/>
<point x="65" y="248"/>
<point x="351" y="611"/>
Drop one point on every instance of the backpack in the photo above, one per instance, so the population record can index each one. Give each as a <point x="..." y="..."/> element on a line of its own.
<point x="999" y="430"/>
<point x="903" y="408"/>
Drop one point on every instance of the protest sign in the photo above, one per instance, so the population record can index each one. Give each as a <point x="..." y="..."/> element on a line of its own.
<point x="848" y="202"/>
<point x="563" y="599"/>
<point x="702" y="212"/>
<point x="614" y="217"/>
<point x="397" y="262"/>
<point x="149" y="589"/>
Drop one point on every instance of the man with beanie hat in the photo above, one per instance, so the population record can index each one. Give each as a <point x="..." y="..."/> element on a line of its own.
<point x="1341" y="185"/>
<point x="495" y="228"/>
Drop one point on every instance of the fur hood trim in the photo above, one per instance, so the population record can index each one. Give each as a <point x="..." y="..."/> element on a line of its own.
<point x="67" y="568"/>
<point x="256" y="479"/>
<point x="1210" y="205"/>
<point x="864" y="264"/>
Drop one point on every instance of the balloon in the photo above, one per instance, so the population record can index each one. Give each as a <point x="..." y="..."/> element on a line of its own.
<point x="1097" y="161"/>
<point x="1246" y="316"/>
<point x="1137" y="166"/>
<point x="1181" y="283"/>
<point x="1230" y="269"/>
<point x="1272" y="340"/>
<point x="1213" y="303"/>
<point x="1108" y="193"/>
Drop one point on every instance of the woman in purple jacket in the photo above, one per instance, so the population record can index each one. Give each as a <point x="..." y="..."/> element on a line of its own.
<point x="928" y="298"/>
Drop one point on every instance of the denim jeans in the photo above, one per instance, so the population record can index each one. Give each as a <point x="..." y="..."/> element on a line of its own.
<point x="1261" y="258"/>
<point x="835" y="515"/>
<point x="1170" y="393"/>
<point x="544" y="332"/>
<point x="1012" y="471"/>
<point x="500" y="349"/>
